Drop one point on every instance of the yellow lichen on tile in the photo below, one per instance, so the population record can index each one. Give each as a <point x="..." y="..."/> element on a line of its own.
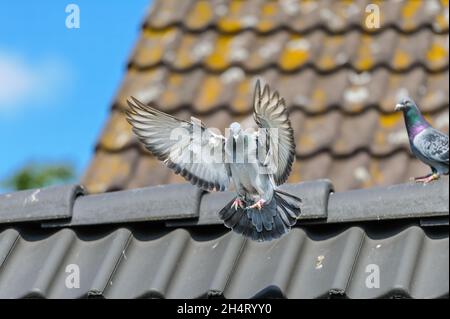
<point x="376" y="174"/>
<point x="410" y="8"/>
<point x="328" y="59"/>
<point x="170" y="96"/>
<point x="441" y="22"/>
<point x="184" y="55"/>
<point x="268" y="11"/>
<point x="164" y="35"/>
<point x="219" y="58"/>
<point x="442" y="18"/>
<point x="104" y="170"/>
<point x="200" y="15"/>
<point x="365" y="59"/>
<point x="153" y="45"/>
<point x="306" y="142"/>
<point x="231" y="22"/>
<point x="149" y="55"/>
<point x="295" y="175"/>
<point x="437" y="53"/>
<point x="327" y="62"/>
<point x="296" y="53"/>
<point x="210" y="91"/>
<point x="409" y="11"/>
<point x="318" y="99"/>
<point x="242" y="101"/>
<point x="401" y="59"/>
<point x="117" y="133"/>
<point x="390" y="120"/>
<point x="429" y="119"/>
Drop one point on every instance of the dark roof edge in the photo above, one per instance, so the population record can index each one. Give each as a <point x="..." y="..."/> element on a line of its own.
<point x="393" y="202"/>
<point x="186" y="205"/>
<point x="49" y="203"/>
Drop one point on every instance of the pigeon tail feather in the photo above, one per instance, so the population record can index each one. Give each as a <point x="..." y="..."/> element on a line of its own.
<point x="273" y="220"/>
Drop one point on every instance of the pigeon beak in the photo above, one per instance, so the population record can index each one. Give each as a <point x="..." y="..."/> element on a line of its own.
<point x="399" y="107"/>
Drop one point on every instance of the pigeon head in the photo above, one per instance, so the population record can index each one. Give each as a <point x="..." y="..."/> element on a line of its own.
<point x="235" y="129"/>
<point x="405" y="104"/>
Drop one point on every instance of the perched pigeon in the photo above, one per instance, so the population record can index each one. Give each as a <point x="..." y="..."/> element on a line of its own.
<point x="427" y="144"/>
<point x="257" y="162"/>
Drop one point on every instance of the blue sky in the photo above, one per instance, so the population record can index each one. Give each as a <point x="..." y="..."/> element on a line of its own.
<point x="57" y="84"/>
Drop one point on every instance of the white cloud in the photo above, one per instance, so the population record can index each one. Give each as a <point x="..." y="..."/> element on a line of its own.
<point x="25" y="83"/>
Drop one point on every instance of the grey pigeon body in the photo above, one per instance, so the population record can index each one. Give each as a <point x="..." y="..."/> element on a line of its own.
<point x="427" y="144"/>
<point x="256" y="162"/>
<point x="431" y="147"/>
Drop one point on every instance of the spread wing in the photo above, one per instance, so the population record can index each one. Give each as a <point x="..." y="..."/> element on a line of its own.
<point x="188" y="148"/>
<point x="433" y="145"/>
<point x="277" y="135"/>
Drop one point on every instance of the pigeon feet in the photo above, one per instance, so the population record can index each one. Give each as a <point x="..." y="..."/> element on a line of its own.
<point x="237" y="203"/>
<point x="259" y="204"/>
<point x="419" y="179"/>
<point x="427" y="179"/>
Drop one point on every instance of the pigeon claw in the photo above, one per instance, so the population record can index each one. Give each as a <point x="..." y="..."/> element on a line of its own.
<point x="432" y="178"/>
<point x="427" y="179"/>
<point x="237" y="203"/>
<point x="259" y="204"/>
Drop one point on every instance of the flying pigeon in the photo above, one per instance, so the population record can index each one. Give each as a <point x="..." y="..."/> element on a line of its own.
<point x="255" y="162"/>
<point x="427" y="144"/>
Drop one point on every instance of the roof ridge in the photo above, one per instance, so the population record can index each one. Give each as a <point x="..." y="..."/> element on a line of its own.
<point x="192" y="206"/>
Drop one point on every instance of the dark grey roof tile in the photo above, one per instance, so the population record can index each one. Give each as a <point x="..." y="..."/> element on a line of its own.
<point x="45" y="254"/>
<point x="178" y="265"/>
<point x="396" y="260"/>
<point x="8" y="239"/>
<point x="111" y="256"/>
<point x="398" y="201"/>
<point x="157" y="257"/>
<point x="430" y="284"/>
<point x="39" y="204"/>
<point x="314" y="196"/>
<point x="326" y="265"/>
<point x="201" y="269"/>
<point x="268" y="264"/>
<point x="162" y="202"/>
<point x="152" y="262"/>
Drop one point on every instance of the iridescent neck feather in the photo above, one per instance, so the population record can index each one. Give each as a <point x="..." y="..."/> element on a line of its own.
<point x="415" y="122"/>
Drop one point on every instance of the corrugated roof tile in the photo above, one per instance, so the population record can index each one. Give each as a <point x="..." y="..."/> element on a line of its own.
<point x="146" y="86"/>
<point x="168" y="12"/>
<point x="288" y="51"/>
<point x="301" y="16"/>
<point x="149" y="172"/>
<point x="309" y="262"/>
<point x="110" y="171"/>
<point x="203" y="60"/>
<point x="117" y="134"/>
